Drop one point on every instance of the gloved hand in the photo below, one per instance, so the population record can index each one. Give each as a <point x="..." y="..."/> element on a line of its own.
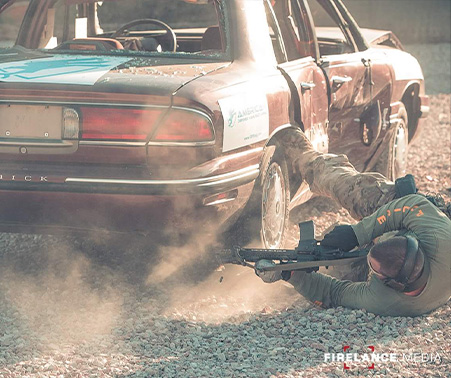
<point x="405" y="186"/>
<point x="342" y="237"/>
<point x="267" y="276"/>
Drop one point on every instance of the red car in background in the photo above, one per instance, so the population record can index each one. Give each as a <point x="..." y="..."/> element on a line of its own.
<point x="145" y="116"/>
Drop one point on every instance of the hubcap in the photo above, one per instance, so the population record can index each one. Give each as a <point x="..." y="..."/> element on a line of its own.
<point x="400" y="153"/>
<point x="273" y="207"/>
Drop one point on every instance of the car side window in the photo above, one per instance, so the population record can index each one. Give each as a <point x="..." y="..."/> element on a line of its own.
<point x="294" y="29"/>
<point x="333" y="34"/>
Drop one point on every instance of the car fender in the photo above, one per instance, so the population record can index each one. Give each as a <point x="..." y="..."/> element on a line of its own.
<point x="405" y="66"/>
<point x="406" y="86"/>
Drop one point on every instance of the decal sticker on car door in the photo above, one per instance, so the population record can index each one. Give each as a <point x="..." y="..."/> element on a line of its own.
<point x="246" y="120"/>
<point x="61" y="69"/>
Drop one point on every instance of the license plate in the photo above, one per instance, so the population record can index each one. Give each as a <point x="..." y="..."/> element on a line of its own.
<point x="30" y="122"/>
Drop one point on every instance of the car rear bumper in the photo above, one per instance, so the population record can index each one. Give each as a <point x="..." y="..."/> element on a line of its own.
<point x="424" y="106"/>
<point x="217" y="183"/>
<point x="203" y="185"/>
<point x="83" y="205"/>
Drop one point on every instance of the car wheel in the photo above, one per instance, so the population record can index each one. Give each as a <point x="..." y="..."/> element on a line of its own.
<point x="393" y="161"/>
<point x="275" y="199"/>
<point x="264" y="221"/>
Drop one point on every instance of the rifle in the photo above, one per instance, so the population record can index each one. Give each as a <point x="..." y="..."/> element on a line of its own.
<point x="309" y="255"/>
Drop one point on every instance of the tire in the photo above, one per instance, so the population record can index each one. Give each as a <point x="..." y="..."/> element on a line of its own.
<point x="265" y="219"/>
<point x="393" y="161"/>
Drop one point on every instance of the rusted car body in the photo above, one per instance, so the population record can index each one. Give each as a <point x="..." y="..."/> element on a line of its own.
<point x="145" y="127"/>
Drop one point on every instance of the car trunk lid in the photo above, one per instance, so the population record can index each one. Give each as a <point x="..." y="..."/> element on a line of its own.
<point x="126" y="73"/>
<point x="49" y="103"/>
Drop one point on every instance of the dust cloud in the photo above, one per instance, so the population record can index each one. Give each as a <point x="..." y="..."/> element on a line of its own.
<point x="199" y="288"/>
<point x="55" y="290"/>
<point x="232" y="294"/>
<point x="66" y="292"/>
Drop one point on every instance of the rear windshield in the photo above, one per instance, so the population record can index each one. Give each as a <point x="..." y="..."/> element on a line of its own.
<point x="130" y="27"/>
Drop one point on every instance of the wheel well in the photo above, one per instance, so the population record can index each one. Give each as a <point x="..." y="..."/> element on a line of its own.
<point x="411" y="101"/>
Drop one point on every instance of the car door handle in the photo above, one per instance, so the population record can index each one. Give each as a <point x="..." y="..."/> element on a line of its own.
<point x="307" y="86"/>
<point x="338" y="81"/>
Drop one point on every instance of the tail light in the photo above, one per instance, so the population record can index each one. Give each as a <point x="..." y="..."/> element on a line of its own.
<point x="184" y="126"/>
<point x="118" y="124"/>
<point x="180" y="126"/>
<point x="71" y="124"/>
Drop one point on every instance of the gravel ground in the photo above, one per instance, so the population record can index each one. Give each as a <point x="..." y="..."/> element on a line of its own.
<point x="67" y="310"/>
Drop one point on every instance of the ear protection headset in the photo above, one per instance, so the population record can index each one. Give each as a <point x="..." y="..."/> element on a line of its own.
<point x="400" y="282"/>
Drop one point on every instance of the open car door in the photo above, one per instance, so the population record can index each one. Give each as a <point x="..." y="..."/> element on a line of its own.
<point x="359" y="90"/>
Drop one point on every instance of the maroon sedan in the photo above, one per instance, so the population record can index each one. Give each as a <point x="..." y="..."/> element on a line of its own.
<point x="146" y="116"/>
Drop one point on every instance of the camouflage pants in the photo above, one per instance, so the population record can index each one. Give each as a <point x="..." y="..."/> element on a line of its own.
<point x="334" y="176"/>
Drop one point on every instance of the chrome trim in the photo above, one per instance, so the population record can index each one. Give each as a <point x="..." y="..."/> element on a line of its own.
<point x="144" y="144"/>
<point x="111" y="143"/>
<point x="307" y="86"/>
<point x="30" y="143"/>
<point x="249" y="172"/>
<point x="394" y="118"/>
<point x="425" y="109"/>
<point x="336" y="79"/>
<point x="394" y="121"/>
<point x="220" y="202"/>
<point x="248" y="175"/>
<point x="181" y="144"/>
<point x="193" y="111"/>
<point x="105" y="104"/>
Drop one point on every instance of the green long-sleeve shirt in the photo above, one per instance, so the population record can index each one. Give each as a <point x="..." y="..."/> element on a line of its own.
<point x="429" y="226"/>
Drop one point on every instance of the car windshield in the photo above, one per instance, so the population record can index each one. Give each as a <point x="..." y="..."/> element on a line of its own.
<point x="131" y="27"/>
